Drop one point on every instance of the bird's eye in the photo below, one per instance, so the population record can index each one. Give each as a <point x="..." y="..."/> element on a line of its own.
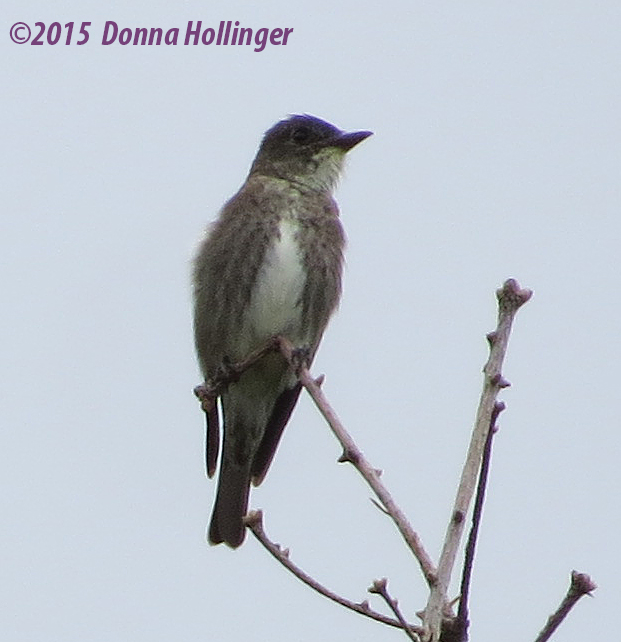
<point x="300" y="135"/>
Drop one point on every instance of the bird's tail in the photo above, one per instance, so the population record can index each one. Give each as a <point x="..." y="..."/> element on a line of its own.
<point x="231" y="500"/>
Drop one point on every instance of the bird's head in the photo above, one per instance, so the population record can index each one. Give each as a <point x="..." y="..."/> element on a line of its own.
<point x="306" y="150"/>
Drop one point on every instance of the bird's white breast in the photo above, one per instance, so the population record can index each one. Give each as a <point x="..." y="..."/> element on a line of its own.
<point x="275" y="306"/>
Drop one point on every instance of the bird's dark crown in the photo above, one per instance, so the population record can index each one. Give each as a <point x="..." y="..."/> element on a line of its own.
<point x="297" y="134"/>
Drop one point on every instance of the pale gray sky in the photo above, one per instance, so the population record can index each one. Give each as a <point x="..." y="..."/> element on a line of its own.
<point x="496" y="153"/>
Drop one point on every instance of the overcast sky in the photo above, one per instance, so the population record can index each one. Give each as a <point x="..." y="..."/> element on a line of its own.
<point x="496" y="154"/>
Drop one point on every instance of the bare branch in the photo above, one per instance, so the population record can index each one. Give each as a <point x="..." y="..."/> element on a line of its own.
<point x="352" y="454"/>
<point x="210" y="390"/>
<point x="460" y="629"/>
<point x="254" y="521"/>
<point x="440" y="623"/>
<point x="381" y="588"/>
<point x="581" y="584"/>
<point x="510" y="298"/>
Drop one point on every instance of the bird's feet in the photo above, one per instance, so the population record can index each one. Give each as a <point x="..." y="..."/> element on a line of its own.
<point x="227" y="372"/>
<point x="301" y="356"/>
<point x="207" y="393"/>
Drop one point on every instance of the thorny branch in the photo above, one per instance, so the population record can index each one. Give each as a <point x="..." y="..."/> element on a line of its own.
<point x="254" y="521"/>
<point x="352" y="454"/>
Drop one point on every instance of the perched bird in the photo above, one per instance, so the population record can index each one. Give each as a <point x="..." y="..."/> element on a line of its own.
<point x="270" y="265"/>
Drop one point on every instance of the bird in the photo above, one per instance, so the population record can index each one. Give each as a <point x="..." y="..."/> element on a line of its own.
<point x="270" y="264"/>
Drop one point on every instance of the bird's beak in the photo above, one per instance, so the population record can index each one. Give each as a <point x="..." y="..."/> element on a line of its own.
<point x="347" y="140"/>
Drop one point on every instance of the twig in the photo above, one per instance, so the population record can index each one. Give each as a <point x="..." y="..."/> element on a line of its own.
<point x="254" y="521"/>
<point x="510" y="298"/>
<point x="352" y="454"/>
<point x="461" y="629"/>
<point x="381" y="588"/>
<point x="581" y="584"/>
<point x="211" y="389"/>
